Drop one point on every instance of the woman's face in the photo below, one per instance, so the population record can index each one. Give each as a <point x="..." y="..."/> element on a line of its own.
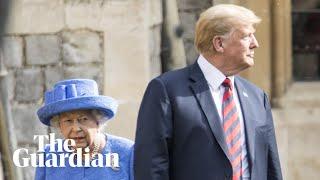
<point x="79" y="125"/>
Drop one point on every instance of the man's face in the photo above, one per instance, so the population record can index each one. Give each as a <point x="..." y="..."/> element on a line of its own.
<point x="239" y="48"/>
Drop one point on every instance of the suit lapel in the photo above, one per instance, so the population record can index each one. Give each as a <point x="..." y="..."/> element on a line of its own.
<point x="202" y="93"/>
<point x="247" y="112"/>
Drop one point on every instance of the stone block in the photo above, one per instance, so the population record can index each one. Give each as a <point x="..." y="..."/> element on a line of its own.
<point x="304" y="127"/>
<point x="133" y="74"/>
<point x="155" y="46"/>
<point x="103" y="16"/>
<point x="155" y="66"/>
<point x="13" y="51"/>
<point x="1" y="169"/>
<point x="295" y="99"/>
<point x="75" y="18"/>
<point x="215" y="2"/>
<point x="36" y="16"/>
<point x="155" y="40"/>
<point x="191" y="52"/>
<point x="304" y="169"/>
<point x="26" y="123"/>
<point x="29" y="171"/>
<point x="53" y="75"/>
<point x="81" y="47"/>
<point x="156" y="12"/>
<point x="86" y="71"/>
<point x="303" y="150"/>
<point x="11" y="84"/>
<point x="193" y="4"/>
<point x="297" y="132"/>
<point x="7" y="85"/>
<point x="281" y="130"/>
<point x="29" y="85"/>
<point x="124" y="123"/>
<point x="188" y="21"/>
<point x="43" y="49"/>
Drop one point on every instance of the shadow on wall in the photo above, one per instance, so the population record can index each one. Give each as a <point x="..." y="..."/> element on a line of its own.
<point x="4" y="8"/>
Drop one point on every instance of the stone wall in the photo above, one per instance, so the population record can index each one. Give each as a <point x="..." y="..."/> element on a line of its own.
<point x="114" y="42"/>
<point x="155" y="26"/>
<point x="189" y="12"/>
<point x="117" y="42"/>
<point x="1" y="169"/>
<point x="35" y="62"/>
<point x="298" y="129"/>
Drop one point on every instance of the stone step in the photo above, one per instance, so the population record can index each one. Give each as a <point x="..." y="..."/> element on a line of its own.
<point x="302" y="95"/>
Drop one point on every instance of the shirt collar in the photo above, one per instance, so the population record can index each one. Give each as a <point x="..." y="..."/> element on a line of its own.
<point x="213" y="75"/>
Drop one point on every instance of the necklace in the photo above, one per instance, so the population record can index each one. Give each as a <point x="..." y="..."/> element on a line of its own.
<point x="96" y="147"/>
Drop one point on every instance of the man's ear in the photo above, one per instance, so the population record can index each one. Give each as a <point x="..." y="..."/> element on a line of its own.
<point x="217" y="43"/>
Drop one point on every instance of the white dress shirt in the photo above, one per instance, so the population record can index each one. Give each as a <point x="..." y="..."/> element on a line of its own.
<point x="215" y="78"/>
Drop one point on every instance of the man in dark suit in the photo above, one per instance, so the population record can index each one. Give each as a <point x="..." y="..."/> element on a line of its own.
<point x="204" y="122"/>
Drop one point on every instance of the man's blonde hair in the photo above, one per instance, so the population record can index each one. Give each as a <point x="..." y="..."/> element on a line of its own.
<point x="221" y="20"/>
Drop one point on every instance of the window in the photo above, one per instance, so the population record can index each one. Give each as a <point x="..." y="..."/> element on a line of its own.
<point x="306" y="39"/>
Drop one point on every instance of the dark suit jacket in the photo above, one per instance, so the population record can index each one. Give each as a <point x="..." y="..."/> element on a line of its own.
<point x="179" y="134"/>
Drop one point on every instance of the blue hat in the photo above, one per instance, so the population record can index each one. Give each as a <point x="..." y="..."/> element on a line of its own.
<point x="75" y="94"/>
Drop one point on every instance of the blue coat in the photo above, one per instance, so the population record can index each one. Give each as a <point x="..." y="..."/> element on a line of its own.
<point x="114" y="144"/>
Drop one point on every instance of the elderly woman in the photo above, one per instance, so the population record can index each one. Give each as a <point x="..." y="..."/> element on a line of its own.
<point x="78" y="111"/>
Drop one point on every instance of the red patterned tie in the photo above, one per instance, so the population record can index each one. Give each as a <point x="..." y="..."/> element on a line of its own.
<point x="232" y="129"/>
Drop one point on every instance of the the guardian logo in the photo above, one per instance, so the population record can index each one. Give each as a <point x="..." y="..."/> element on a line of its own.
<point x="59" y="152"/>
